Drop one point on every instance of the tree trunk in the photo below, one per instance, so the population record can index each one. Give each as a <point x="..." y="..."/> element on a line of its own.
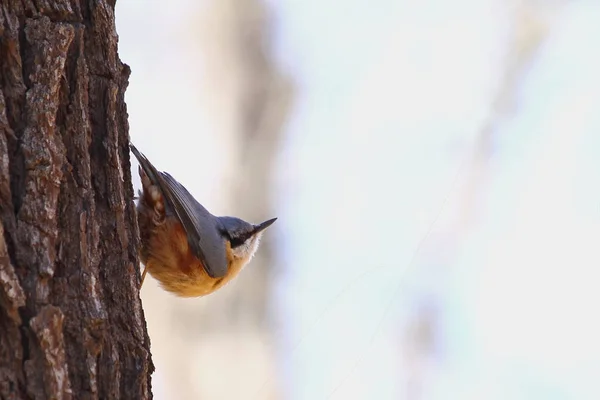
<point x="71" y="320"/>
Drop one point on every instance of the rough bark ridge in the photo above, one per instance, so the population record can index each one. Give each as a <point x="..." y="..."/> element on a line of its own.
<point x="71" y="321"/>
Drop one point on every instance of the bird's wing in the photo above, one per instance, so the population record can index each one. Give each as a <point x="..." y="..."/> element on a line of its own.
<point x="200" y="225"/>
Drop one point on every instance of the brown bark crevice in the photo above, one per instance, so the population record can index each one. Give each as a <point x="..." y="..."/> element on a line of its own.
<point x="71" y="320"/>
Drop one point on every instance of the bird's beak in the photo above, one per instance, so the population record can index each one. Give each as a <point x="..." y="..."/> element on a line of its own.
<point x="264" y="225"/>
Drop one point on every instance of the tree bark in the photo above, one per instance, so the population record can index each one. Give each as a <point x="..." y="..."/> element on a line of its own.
<point x="71" y="320"/>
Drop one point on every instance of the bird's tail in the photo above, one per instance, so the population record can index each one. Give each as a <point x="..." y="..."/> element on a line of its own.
<point x="149" y="169"/>
<point x="151" y="181"/>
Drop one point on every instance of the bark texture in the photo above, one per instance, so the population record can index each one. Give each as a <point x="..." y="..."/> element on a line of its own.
<point x="71" y="321"/>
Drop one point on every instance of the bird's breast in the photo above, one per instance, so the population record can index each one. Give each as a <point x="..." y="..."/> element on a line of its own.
<point x="171" y="262"/>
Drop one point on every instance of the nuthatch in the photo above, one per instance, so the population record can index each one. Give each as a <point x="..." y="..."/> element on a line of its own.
<point x="188" y="250"/>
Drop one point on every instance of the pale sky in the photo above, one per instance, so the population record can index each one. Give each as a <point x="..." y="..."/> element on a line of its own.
<point x="391" y="96"/>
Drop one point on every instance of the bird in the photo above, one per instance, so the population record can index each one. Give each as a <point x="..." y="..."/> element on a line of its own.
<point x="188" y="250"/>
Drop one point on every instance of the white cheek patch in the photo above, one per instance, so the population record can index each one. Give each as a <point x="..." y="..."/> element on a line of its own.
<point x="248" y="249"/>
<point x="238" y="251"/>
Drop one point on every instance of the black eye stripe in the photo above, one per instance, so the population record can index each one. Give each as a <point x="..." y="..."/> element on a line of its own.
<point x="236" y="242"/>
<point x="240" y="239"/>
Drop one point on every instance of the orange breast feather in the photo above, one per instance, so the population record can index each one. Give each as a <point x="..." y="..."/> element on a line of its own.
<point x="171" y="262"/>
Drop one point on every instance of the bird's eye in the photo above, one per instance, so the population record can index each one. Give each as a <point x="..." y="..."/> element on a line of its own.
<point x="236" y="242"/>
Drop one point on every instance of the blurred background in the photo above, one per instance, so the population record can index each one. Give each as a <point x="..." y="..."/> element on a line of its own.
<point x="435" y="169"/>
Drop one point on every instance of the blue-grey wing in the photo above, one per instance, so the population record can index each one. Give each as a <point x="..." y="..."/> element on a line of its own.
<point x="200" y="226"/>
